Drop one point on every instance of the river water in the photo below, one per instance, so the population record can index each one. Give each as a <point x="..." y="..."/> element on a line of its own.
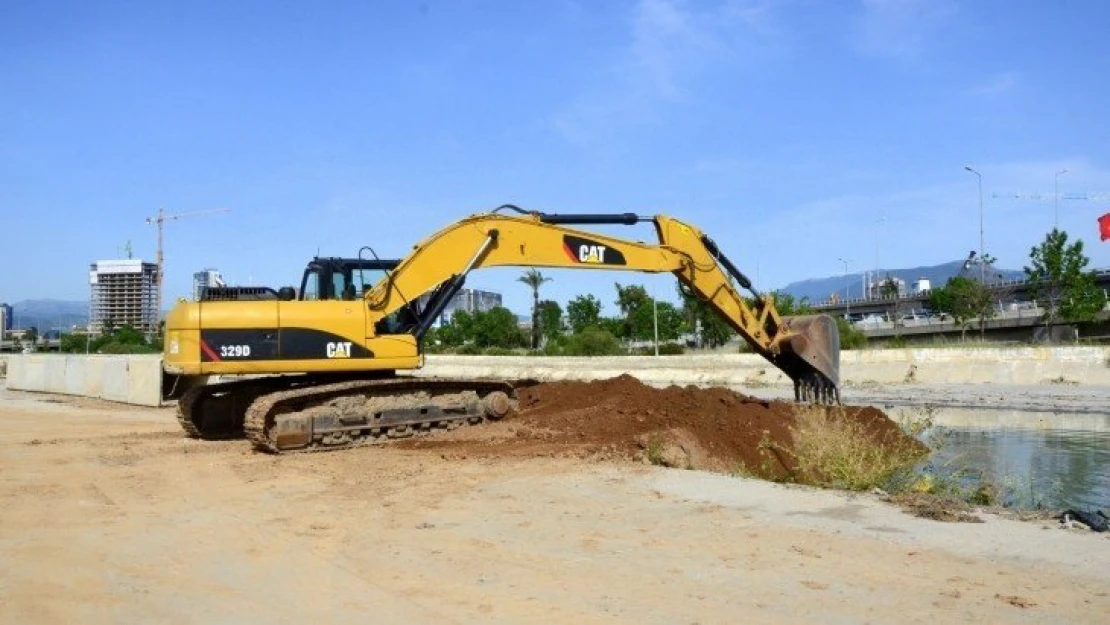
<point x="1037" y="459"/>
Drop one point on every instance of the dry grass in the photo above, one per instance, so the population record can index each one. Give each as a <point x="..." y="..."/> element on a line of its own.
<point x="936" y="507"/>
<point x="833" y="451"/>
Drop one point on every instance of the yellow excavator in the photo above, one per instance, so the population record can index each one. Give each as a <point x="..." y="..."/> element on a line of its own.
<point x="322" y="367"/>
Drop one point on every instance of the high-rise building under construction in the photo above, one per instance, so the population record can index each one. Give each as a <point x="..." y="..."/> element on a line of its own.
<point x="124" y="292"/>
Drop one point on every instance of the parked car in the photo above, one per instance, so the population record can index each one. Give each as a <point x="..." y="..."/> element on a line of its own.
<point x="871" y="320"/>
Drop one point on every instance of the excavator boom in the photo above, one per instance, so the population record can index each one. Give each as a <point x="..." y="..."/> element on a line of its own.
<point x="807" y="349"/>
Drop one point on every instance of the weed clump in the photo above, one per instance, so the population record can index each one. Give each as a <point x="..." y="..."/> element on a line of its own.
<point x="936" y="507"/>
<point x="832" y="451"/>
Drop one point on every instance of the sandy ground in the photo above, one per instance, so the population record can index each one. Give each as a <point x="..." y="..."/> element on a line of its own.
<point x="108" y="515"/>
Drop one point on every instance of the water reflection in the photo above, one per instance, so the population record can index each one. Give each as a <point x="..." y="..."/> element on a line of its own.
<point x="1038" y="459"/>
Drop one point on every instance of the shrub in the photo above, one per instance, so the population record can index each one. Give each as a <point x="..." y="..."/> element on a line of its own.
<point x="833" y="451"/>
<point x="593" y="341"/>
<point x="655" y="451"/>
<point x="498" y="351"/>
<point x="553" y="348"/>
<point x="127" y="348"/>
<point x="671" y="349"/>
<point x="468" y="349"/>
<point x="851" y="337"/>
<point x="665" y="349"/>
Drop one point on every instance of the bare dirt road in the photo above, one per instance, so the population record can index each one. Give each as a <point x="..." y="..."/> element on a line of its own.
<point x="108" y="515"/>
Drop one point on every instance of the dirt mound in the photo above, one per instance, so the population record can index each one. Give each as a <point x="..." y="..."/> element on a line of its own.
<point x="703" y="428"/>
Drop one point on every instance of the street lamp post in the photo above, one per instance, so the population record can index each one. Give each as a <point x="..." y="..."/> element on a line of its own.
<point x="982" y="264"/>
<point x="878" y="235"/>
<point x="655" y="322"/>
<point x="847" y="293"/>
<point x="1056" y="198"/>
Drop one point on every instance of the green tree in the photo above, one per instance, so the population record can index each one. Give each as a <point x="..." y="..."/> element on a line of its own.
<point x="551" y="319"/>
<point x="851" y="337"/>
<point x="583" y="312"/>
<point x="534" y="280"/>
<point x="789" y="306"/>
<point x="630" y="298"/>
<point x="457" y="330"/>
<point x="711" y="329"/>
<point x="965" y="299"/>
<point x="671" y="322"/>
<point x="888" y="289"/>
<point x="127" y="335"/>
<point x="612" y="325"/>
<point x="120" y="340"/>
<point x="74" y="343"/>
<point x="1057" y="279"/>
<point x="497" y="328"/>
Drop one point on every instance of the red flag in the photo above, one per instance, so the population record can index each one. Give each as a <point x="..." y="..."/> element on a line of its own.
<point x="1104" y="227"/>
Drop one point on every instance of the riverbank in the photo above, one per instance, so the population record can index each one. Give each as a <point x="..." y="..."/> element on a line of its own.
<point x="110" y="515"/>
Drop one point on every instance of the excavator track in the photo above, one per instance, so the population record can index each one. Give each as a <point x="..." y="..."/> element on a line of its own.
<point x="216" y="411"/>
<point x="364" y="412"/>
<point x="185" y="413"/>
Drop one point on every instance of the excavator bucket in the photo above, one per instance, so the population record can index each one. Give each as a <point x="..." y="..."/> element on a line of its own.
<point x="811" y="357"/>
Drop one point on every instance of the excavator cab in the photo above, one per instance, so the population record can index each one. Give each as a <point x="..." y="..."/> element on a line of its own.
<point x="342" y="278"/>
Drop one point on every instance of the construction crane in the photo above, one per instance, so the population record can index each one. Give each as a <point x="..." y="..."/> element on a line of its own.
<point x="1048" y="197"/>
<point x="159" y="220"/>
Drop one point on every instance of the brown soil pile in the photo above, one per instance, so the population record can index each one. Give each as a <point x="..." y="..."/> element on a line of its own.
<point x="688" y="427"/>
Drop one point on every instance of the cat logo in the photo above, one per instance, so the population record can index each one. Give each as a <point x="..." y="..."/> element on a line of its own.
<point x="591" y="254"/>
<point x="580" y="250"/>
<point x="339" y="350"/>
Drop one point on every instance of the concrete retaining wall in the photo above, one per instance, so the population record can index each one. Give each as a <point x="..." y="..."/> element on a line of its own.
<point x="128" y="379"/>
<point x="1027" y="365"/>
<point x="138" y="379"/>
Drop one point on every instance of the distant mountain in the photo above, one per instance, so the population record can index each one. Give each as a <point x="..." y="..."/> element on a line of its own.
<point x="50" y="314"/>
<point x="820" y="289"/>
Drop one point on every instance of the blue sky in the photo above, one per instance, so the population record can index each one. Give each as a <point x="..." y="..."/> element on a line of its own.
<point x="795" y="132"/>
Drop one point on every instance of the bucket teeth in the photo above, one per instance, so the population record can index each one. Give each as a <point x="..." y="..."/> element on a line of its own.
<point x="816" y="389"/>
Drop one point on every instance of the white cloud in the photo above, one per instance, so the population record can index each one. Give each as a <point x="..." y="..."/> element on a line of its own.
<point x="671" y="46"/>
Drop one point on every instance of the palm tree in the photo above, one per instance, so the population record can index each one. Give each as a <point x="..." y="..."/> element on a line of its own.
<point x="534" y="279"/>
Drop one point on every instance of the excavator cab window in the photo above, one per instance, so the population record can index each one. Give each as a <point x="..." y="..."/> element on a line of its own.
<point x="310" y="285"/>
<point x="341" y="288"/>
<point x="364" y="279"/>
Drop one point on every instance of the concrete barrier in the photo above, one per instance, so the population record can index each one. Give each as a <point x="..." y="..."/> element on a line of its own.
<point x="1019" y="365"/>
<point x="127" y="379"/>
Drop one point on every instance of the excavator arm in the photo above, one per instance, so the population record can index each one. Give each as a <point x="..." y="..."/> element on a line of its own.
<point x="805" y="348"/>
